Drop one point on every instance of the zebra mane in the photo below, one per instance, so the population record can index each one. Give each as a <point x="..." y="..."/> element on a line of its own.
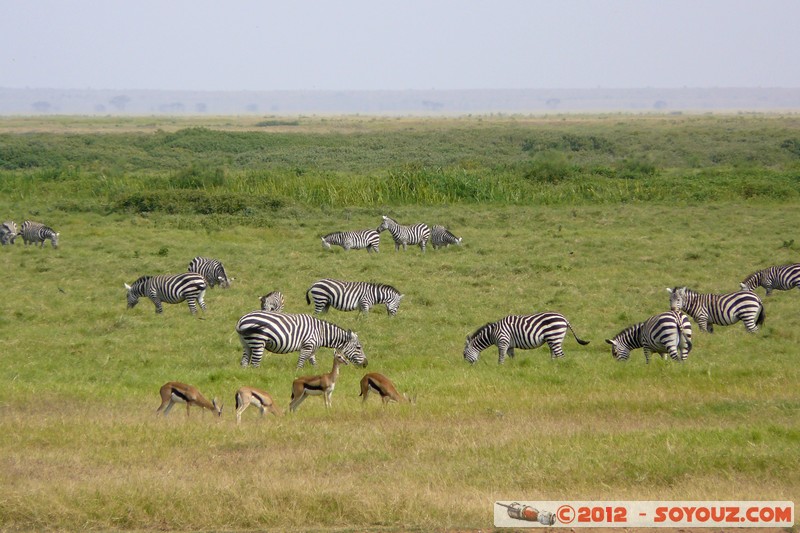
<point x="481" y="330"/>
<point x="142" y="279"/>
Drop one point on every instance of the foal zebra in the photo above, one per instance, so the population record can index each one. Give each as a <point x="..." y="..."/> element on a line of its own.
<point x="442" y="238"/>
<point x="352" y="295"/>
<point x="721" y="309"/>
<point x="285" y="333"/>
<point x="273" y="302"/>
<point x="667" y="333"/>
<point x="212" y="270"/>
<point x="8" y="232"/>
<point x="414" y="234"/>
<point x="520" y="331"/>
<point x="172" y="289"/>
<point x="782" y="278"/>
<point x="36" y="232"/>
<point x="353" y="240"/>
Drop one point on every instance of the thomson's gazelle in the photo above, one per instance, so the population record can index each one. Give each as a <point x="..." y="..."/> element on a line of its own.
<point x="246" y="396"/>
<point x="316" y="385"/>
<point x="374" y="382"/>
<point x="174" y="392"/>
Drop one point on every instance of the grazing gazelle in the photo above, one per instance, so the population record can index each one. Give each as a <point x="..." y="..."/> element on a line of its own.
<point x="261" y="399"/>
<point x="174" y="392"/>
<point x="316" y="385"/>
<point x="374" y="382"/>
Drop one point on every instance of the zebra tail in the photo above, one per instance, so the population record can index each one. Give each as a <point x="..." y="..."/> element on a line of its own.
<point x="308" y="300"/>
<point x="762" y="316"/>
<point x="580" y="341"/>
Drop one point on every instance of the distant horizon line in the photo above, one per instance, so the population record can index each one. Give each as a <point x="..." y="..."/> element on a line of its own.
<point x="432" y="89"/>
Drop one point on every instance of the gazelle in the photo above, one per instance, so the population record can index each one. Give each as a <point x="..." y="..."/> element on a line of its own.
<point x="316" y="385"/>
<point x="247" y="396"/>
<point x="174" y="392"/>
<point x="374" y="382"/>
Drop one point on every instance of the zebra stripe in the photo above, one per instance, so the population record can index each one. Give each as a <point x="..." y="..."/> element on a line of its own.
<point x="171" y="289"/>
<point x="442" y="238"/>
<point x="721" y="309"/>
<point x="285" y="333"/>
<point x="520" y="331"/>
<point x="353" y="240"/>
<point x="668" y="333"/>
<point x="36" y="232"/>
<point x="415" y="234"/>
<point x="8" y="232"/>
<point x="273" y="302"/>
<point x="212" y="270"/>
<point x="782" y="278"/>
<point x="352" y="295"/>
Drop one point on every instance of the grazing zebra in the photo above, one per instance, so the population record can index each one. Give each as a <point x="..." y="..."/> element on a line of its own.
<point x="353" y="240"/>
<point x="721" y="309"/>
<point x="212" y="270"/>
<point x="667" y="333"/>
<point x="442" y="238"/>
<point x="415" y="234"/>
<point x="33" y="232"/>
<point x="782" y="278"/>
<point x="285" y="333"/>
<point x="172" y="289"/>
<point x="8" y="232"/>
<point x="520" y="331"/>
<point x="273" y="302"/>
<point x="352" y="295"/>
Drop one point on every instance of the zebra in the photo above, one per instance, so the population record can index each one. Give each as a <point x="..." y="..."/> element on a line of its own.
<point x="273" y="302"/>
<point x="721" y="309"/>
<point x="284" y="333"/>
<point x="415" y="234"/>
<point x="353" y="240"/>
<point x="352" y="295"/>
<point x="782" y="278"/>
<point x="520" y="331"/>
<point x="667" y="333"/>
<point x="172" y="289"/>
<point x="33" y="232"/>
<point x="442" y="238"/>
<point x="8" y="232"/>
<point x="212" y="270"/>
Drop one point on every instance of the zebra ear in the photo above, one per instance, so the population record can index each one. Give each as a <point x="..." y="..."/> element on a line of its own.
<point x="127" y="286"/>
<point x="609" y="341"/>
<point x="743" y="286"/>
<point x="402" y="295"/>
<point x="669" y="290"/>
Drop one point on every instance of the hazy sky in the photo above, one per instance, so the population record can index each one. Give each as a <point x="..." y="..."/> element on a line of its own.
<point x="409" y="44"/>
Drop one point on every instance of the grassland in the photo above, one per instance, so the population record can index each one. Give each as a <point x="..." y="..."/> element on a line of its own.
<point x="589" y="216"/>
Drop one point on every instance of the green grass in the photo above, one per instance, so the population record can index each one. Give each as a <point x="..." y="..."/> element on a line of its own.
<point x="81" y="446"/>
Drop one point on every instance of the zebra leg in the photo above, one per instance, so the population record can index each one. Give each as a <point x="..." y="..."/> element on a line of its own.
<point x="201" y="300"/>
<point x="192" y="302"/>
<point x="306" y="354"/>
<point x="157" y="303"/>
<point x="646" y="355"/>
<point x="556" y="350"/>
<point x="502" y="350"/>
<point x="750" y="324"/>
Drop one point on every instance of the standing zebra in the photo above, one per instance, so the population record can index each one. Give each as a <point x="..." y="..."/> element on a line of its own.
<point x="36" y="232"/>
<point x="273" y="302"/>
<point x="172" y="289"/>
<point x="212" y="270"/>
<point x="8" y="232"/>
<point x="667" y="333"/>
<point x="782" y="278"/>
<point x="284" y="333"/>
<point x="721" y="309"/>
<point x="442" y="238"/>
<point x="352" y="295"/>
<point x="353" y="240"/>
<point x="415" y="234"/>
<point x="520" y="331"/>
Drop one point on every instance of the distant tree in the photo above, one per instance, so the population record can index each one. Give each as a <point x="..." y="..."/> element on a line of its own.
<point x="42" y="107"/>
<point x="119" y="102"/>
<point x="660" y="104"/>
<point x="200" y="107"/>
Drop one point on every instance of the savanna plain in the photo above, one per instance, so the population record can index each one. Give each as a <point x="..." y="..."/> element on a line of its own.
<point x="592" y="216"/>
